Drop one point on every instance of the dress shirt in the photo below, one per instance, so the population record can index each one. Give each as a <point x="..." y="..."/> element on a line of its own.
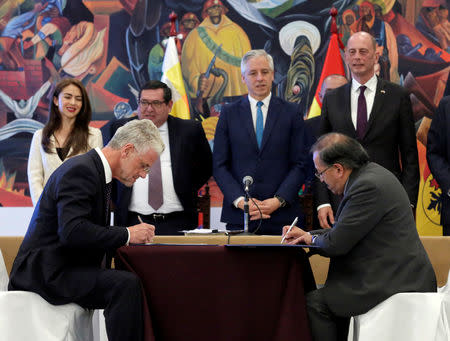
<point x="369" y="94"/>
<point x="139" y="194"/>
<point x="108" y="176"/>
<point x="264" y="108"/>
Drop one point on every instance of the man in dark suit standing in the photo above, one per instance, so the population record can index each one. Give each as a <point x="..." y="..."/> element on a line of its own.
<point x="261" y="136"/>
<point x="438" y="157"/>
<point x="375" y="112"/>
<point x="61" y="255"/>
<point x="374" y="249"/>
<point x="167" y="197"/>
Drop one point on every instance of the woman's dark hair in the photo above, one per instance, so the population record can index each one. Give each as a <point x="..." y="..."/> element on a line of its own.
<point x="78" y="138"/>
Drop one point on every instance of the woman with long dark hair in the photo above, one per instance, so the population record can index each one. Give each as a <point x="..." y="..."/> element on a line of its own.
<point x="66" y="134"/>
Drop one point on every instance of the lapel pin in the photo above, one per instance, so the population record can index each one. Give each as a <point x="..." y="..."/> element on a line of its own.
<point x="383" y="92"/>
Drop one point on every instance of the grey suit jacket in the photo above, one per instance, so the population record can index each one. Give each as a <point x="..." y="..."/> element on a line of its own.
<point x="374" y="247"/>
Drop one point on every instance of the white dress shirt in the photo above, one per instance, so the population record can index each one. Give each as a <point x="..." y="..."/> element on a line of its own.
<point x="369" y="93"/>
<point x="139" y="194"/>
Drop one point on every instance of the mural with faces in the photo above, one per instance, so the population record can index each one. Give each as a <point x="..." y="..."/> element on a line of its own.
<point x="114" y="47"/>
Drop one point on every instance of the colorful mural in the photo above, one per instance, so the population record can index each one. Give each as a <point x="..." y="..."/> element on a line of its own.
<point x="113" y="47"/>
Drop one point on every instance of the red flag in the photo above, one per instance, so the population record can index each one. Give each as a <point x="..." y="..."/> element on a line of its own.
<point x="333" y="64"/>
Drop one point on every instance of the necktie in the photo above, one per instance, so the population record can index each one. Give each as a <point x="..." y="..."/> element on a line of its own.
<point x="259" y="123"/>
<point x="108" y="188"/>
<point x="361" y="119"/>
<point x="155" y="191"/>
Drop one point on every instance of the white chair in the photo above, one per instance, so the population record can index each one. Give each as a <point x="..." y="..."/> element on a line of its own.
<point x="406" y="316"/>
<point x="27" y="316"/>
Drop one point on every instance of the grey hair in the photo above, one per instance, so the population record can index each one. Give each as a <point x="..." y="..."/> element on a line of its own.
<point x="143" y="134"/>
<point x="339" y="148"/>
<point x="253" y="54"/>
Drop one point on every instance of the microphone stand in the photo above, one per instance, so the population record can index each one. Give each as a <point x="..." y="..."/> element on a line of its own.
<point x="246" y="212"/>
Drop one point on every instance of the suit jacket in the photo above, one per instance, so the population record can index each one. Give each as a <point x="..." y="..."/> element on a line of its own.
<point x="278" y="168"/>
<point x="67" y="236"/>
<point x="390" y="138"/>
<point x="41" y="164"/>
<point x="438" y="154"/>
<point x="374" y="248"/>
<point x="191" y="159"/>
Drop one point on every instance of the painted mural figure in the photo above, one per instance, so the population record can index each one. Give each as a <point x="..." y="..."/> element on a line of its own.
<point x="371" y="21"/>
<point x="203" y="42"/>
<point x="156" y="55"/>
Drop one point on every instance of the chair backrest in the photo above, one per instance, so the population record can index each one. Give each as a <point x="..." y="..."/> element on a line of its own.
<point x="438" y="250"/>
<point x="10" y="246"/>
<point x="4" y="278"/>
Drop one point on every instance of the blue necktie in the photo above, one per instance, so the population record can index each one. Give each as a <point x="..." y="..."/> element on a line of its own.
<point x="259" y="123"/>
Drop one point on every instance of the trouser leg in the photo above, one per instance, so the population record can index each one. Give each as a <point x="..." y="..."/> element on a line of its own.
<point x="325" y="326"/>
<point x="119" y="293"/>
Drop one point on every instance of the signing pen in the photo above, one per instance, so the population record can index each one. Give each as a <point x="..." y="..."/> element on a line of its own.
<point x="140" y="219"/>
<point x="289" y="230"/>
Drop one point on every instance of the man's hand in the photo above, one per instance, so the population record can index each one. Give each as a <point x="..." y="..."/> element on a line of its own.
<point x="253" y="211"/>
<point x="141" y="233"/>
<point x="304" y="239"/>
<point x="325" y="215"/>
<point x="292" y="235"/>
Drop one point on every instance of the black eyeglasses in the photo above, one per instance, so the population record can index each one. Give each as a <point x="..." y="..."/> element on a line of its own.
<point x="155" y="104"/>
<point x="319" y="174"/>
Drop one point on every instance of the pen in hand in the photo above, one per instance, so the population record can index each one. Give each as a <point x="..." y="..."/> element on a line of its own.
<point x="289" y="230"/>
<point x="140" y="219"/>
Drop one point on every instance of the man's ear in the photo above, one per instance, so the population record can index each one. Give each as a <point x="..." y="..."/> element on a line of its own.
<point x="126" y="150"/>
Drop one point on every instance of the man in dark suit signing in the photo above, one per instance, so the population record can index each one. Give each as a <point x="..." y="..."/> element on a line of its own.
<point x="61" y="255"/>
<point x="167" y="197"/>
<point x="438" y="157"/>
<point x="261" y="136"/>
<point x="374" y="249"/>
<point x="375" y="112"/>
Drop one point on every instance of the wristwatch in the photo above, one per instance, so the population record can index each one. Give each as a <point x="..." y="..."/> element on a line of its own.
<point x="281" y="200"/>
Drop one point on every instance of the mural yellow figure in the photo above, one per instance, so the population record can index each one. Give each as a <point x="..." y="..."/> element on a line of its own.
<point x="203" y="42"/>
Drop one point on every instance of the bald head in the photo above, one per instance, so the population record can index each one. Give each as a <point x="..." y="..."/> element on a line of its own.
<point x="331" y="82"/>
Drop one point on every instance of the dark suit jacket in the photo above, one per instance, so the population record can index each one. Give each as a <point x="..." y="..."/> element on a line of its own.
<point x="374" y="248"/>
<point x="191" y="159"/>
<point x="279" y="168"/>
<point x="67" y="236"/>
<point x="390" y="138"/>
<point x="438" y="154"/>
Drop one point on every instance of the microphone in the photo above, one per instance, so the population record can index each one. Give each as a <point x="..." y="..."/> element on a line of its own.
<point x="247" y="181"/>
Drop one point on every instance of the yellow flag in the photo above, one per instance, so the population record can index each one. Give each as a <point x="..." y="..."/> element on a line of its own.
<point x="172" y="76"/>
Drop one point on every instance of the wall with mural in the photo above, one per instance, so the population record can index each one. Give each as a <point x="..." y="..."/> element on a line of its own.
<point x="113" y="47"/>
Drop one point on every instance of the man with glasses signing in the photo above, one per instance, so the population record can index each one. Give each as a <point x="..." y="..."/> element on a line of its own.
<point x="374" y="249"/>
<point x="167" y="197"/>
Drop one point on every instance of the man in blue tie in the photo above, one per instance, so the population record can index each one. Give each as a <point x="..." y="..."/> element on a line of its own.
<point x="261" y="136"/>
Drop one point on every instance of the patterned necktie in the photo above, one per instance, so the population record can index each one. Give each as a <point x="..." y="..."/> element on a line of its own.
<point x="108" y="188"/>
<point x="259" y="123"/>
<point x="155" y="190"/>
<point x="361" y="119"/>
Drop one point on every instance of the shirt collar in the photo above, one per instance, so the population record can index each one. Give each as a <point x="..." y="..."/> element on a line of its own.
<point x="106" y="166"/>
<point x="253" y="101"/>
<point x="371" y="84"/>
<point x="164" y="127"/>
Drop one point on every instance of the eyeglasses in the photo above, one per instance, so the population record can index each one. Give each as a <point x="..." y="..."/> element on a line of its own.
<point x="319" y="174"/>
<point x="143" y="165"/>
<point x="155" y="104"/>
